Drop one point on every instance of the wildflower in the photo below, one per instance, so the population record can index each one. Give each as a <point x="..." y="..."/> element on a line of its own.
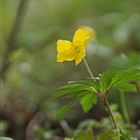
<point x="75" y="50"/>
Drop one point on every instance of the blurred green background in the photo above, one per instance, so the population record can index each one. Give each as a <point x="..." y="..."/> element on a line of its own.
<point x="29" y="73"/>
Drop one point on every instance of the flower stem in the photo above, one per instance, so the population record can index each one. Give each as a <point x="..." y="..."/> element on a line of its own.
<point x="110" y="113"/>
<point x="88" y="68"/>
<point x="101" y="95"/>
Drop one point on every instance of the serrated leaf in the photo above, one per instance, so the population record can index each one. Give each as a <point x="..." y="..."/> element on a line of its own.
<point x="88" y="101"/>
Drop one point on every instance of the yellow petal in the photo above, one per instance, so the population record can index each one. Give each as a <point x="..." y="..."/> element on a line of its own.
<point x="63" y="45"/>
<point x="80" y="56"/>
<point x="65" y="51"/>
<point x="83" y="35"/>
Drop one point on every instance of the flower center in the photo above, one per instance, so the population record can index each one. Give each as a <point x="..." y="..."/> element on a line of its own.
<point x="76" y="46"/>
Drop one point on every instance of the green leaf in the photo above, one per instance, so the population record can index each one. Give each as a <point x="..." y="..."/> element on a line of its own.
<point x="77" y="87"/>
<point x="65" y="108"/>
<point x="124" y="76"/>
<point x="126" y="87"/>
<point x="126" y="136"/>
<point x="105" y="80"/>
<point x="92" y="83"/>
<point x="81" y="90"/>
<point x="70" y="85"/>
<point x="88" y="135"/>
<point x="111" y="79"/>
<point x="73" y="89"/>
<point x="110" y="135"/>
<point x="88" y="101"/>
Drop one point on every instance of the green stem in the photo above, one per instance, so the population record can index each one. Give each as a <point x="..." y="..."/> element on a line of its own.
<point x="88" y="68"/>
<point x="110" y="113"/>
<point x="101" y="96"/>
<point x="123" y="107"/>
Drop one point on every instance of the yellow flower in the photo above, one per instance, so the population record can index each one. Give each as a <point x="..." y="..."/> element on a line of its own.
<point x="75" y="50"/>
